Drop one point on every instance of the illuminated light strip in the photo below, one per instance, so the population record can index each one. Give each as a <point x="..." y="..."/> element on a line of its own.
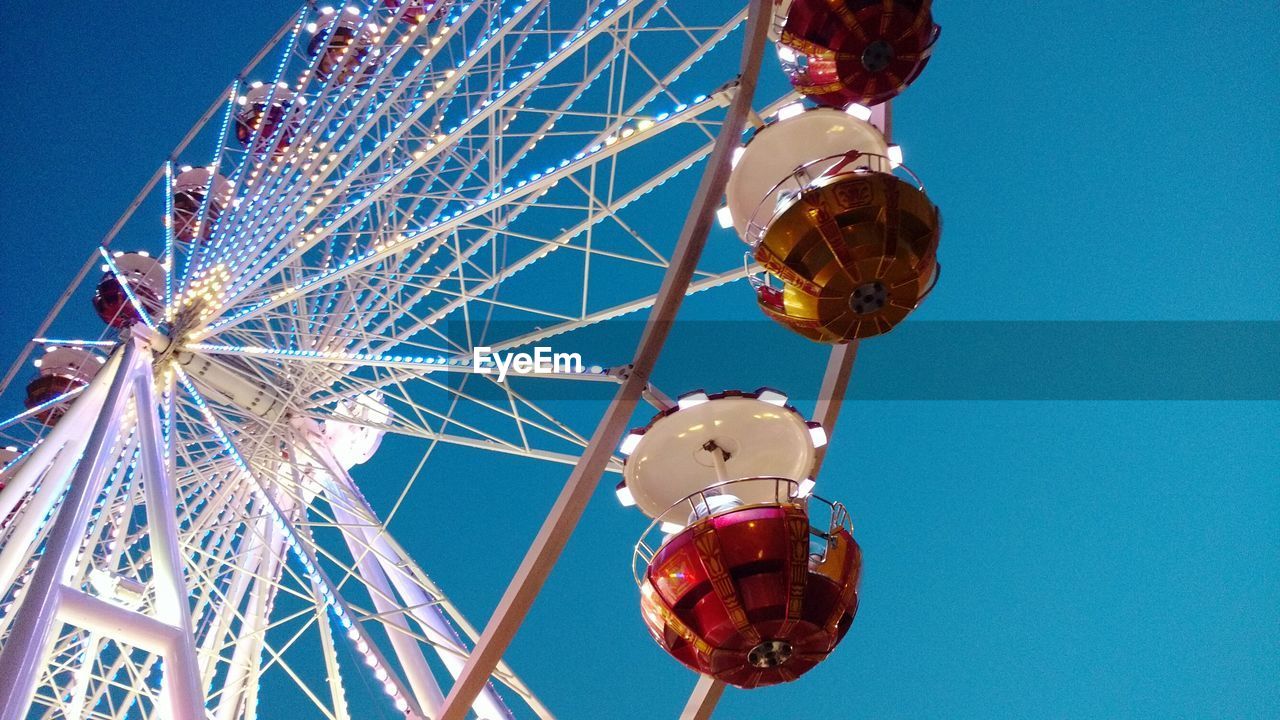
<point x="566" y="238"/>
<point x="447" y="223"/>
<point x="303" y="247"/>
<point x="82" y="343"/>
<point x="30" y="412"/>
<point x="202" y="216"/>
<point x="166" y="420"/>
<point x="14" y="462"/>
<point x="356" y="116"/>
<point x="250" y="157"/>
<point x="377" y="61"/>
<point x="295" y="159"/>
<point x="250" y="227"/>
<point x="170" y="262"/>
<point x="417" y="362"/>
<point x="691" y="160"/>
<point x="492" y="88"/>
<point x="614" y="130"/>
<point x="128" y="291"/>
<point x="554" y="59"/>
<point x="373" y="657"/>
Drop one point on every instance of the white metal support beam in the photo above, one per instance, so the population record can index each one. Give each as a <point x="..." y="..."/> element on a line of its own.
<point x="50" y="602"/>
<point x="24" y="652"/>
<point x="416" y="670"/>
<point x="380" y="563"/>
<point x="183" y="688"/>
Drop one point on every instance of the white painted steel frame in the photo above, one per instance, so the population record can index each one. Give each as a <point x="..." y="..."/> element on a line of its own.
<point x="49" y="601"/>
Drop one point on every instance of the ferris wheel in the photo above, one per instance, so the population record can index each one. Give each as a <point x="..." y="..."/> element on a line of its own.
<point x="390" y="199"/>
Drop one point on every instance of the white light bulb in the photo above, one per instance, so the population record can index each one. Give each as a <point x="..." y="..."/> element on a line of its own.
<point x="625" y="497"/>
<point x="817" y="435"/>
<point x="790" y="111"/>
<point x="895" y="156"/>
<point x="862" y="112"/>
<point x="629" y="443"/>
<point x="773" y="397"/>
<point x="692" y="400"/>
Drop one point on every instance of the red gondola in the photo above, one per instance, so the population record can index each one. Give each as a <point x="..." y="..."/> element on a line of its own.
<point x="863" y="51"/>
<point x="144" y="276"/>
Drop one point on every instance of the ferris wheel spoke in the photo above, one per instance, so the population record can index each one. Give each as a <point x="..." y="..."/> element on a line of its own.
<point x="496" y="279"/>
<point x="564" y="240"/>
<point x="380" y="560"/>
<point x="387" y="613"/>
<point x="496" y="140"/>
<point x="338" y="364"/>
<point x="31" y="413"/>
<point x="299" y="543"/>
<point x="432" y="130"/>
<point x="259" y="554"/>
<point x="245" y="170"/>
<point x="513" y="415"/>
<point x="434" y="236"/>
<point x="357" y="103"/>
<point x="706" y="282"/>
<point x="366" y="201"/>
<point x="518" y="400"/>
<point x="483" y="430"/>
<point x="383" y="162"/>
<point x="485" y="411"/>
<point x="275" y="652"/>
<point x="132" y="693"/>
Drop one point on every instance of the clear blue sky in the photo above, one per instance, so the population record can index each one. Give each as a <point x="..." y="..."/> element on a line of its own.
<point x="1094" y="161"/>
